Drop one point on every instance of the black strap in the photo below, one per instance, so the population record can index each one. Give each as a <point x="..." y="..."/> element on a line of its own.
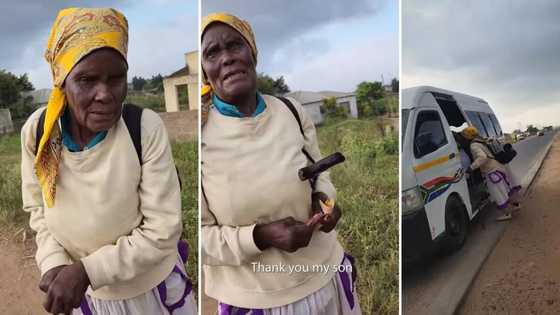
<point x="292" y="109"/>
<point x="132" y="116"/>
<point x="40" y="130"/>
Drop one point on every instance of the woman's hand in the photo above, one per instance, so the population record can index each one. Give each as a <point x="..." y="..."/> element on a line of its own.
<point x="329" y="221"/>
<point x="67" y="290"/>
<point x="48" y="278"/>
<point x="287" y="234"/>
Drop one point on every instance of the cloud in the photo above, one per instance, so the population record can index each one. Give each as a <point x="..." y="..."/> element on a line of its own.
<point x="161" y="31"/>
<point x="504" y="51"/>
<point x="344" y="69"/>
<point x="315" y="43"/>
<point x="162" y="49"/>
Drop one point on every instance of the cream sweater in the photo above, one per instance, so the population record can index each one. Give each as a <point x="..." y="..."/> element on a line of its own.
<point x="483" y="159"/>
<point x="122" y="219"/>
<point x="249" y="176"/>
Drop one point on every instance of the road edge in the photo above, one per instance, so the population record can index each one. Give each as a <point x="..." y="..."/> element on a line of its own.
<point x="526" y="183"/>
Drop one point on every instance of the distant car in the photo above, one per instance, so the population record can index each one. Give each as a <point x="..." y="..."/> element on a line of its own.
<point x="540" y="133"/>
<point x="521" y="137"/>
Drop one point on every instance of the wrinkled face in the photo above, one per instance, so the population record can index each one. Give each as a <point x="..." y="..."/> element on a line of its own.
<point x="96" y="88"/>
<point x="228" y="62"/>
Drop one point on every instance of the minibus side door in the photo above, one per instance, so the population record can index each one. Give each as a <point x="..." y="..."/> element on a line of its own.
<point x="436" y="164"/>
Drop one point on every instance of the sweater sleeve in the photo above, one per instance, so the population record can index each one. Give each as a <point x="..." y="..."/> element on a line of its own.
<point x="479" y="156"/>
<point x="157" y="235"/>
<point x="224" y="245"/>
<point x="311" y="145"/>
<point x="50" y="253"/>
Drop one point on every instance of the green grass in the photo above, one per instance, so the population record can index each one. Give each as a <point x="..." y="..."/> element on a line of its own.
<point x="186" y="160"/>
<point x="185" y="154"/>
<point x="367" y="186"/>
<point x="155" y="102"/>
<point x="10" y="182"/>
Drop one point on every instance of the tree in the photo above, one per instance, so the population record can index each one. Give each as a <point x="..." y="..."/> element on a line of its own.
<point x="330" y="109"/>
<point x="281" y="86"/>
<point x="395" y="85"/>
<point x="369" y="96"/>
<point x="155" y="83"/>
<point x="268" y="85"/>
<point x="138" y="83"/>
<point x="532" y="129"/>
<point x="24" y="84"/>
<point x="9" y="88"/>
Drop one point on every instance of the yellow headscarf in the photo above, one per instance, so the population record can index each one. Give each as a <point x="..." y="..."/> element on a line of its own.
<point x="470" y="133"/>
<point x="76" y="32"/>
<point x="237" y="24"/>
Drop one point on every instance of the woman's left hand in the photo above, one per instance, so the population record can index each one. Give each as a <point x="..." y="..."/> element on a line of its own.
<point x="67" y="289"/>
<point x="328" y="222"/>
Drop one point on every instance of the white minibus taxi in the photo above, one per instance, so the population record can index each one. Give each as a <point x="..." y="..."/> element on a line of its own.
<point x="438" y="198"/>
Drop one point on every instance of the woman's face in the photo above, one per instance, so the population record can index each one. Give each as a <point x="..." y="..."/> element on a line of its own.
<point x="96" y="88"/>
<point x="228" y="63"/>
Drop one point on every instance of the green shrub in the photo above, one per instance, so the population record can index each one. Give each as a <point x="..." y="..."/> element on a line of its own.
<point x="185" y="155"/>
<point x="367" y="186"/>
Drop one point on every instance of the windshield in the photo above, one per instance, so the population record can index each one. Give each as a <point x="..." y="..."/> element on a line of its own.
<point x="404" y="123"/>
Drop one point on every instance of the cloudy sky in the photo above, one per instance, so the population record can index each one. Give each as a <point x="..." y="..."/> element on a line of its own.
<point x="505" y="51"/>
<point x="321" y="45"/>
<point x="160" y="32"/>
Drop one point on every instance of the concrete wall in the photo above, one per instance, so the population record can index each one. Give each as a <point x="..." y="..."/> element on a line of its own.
<point x="191" y="79"/>
<point x="6" y="124"/>
<point x="193" y="93"/>
<point x="314" y="111"/>
<point x="191" y="60"/>
<point x="351" y="104"/>
<point x="181" y="126"/>
<point x="170" y="92"/>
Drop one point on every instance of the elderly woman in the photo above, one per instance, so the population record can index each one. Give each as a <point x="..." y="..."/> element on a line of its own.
<point x="261" y="254"/>
<point x="498" y="177"/>
<point x="102" y="191"/>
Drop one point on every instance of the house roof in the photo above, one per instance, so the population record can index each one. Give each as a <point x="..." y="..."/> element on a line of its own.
<point x="306" y="97"/>
<point x="40" y="96"/>
<point x="180" y="73"/>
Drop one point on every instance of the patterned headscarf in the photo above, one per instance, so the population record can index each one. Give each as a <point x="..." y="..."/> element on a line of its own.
<point x="470" y="133"/>
<point x="76" y="32"/>
<point x="240" y="26"/>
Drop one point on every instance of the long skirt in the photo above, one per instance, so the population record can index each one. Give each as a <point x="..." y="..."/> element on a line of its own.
<point x="501" y="188"/>
<point x="338" y="297"/>
<point x="173" y="296"/>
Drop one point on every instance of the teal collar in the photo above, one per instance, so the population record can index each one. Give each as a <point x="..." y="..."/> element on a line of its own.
<point x="230" y="110"/>
<point x="67" y="140"/>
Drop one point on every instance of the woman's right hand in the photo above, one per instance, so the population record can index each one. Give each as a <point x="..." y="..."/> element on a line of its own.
<point x="286" y="234"/>
<point x="48" y="277"/>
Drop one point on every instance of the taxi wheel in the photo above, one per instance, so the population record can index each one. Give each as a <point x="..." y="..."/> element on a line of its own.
<point x="456" y="225"/>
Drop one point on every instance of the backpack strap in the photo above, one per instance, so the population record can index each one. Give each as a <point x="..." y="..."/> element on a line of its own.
<point x="132" y="116"/>
<point x="40" y="130"/>
<point x="293" y="109"/>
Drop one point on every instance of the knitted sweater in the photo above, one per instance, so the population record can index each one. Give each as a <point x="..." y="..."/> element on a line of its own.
<point x="483" y="158"/>
<point x="120" y="218"/>
<point x="249" y="177"/>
